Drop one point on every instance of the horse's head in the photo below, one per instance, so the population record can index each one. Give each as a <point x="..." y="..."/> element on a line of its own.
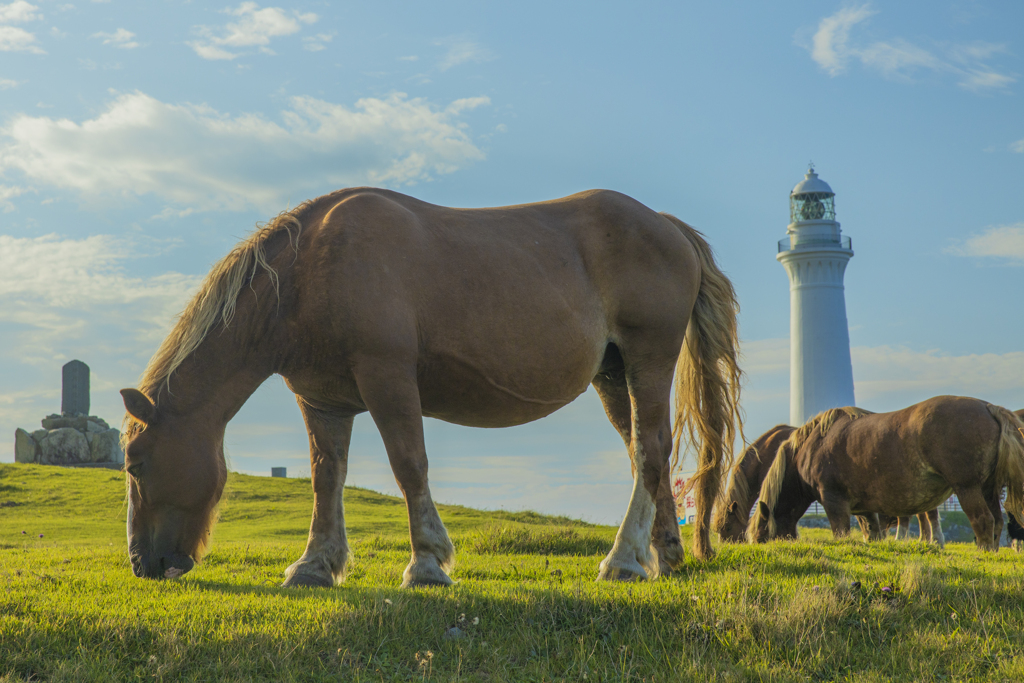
<point x="759" y="529"/>
<point x="176" y="475"/>
<point x="732" y="524"/>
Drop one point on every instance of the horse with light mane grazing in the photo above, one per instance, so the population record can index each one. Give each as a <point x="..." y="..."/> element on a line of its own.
<point x="903" y="463"/>
<point x="732" y="510"/>
<point x="366" y="300"/>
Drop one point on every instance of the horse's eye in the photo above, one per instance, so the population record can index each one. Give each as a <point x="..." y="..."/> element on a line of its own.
<point x="135" y="470"/>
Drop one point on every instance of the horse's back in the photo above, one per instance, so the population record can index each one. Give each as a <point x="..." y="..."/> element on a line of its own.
<point x="905" y="461"/>
<point x="517" y="302"/>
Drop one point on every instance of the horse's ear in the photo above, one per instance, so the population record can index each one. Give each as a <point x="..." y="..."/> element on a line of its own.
<point x="734" y="508"/>
<point x="138" y="405"/>
<point x="762" y="507"/>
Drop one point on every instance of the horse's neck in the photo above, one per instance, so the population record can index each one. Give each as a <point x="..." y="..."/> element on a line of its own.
<point x="218" y="377"/>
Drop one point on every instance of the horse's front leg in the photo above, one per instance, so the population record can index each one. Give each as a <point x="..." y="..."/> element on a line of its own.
<point x="837" y="508"/>
<point x="323" y="563"/>
<point x="392" y="397"/>
<point x="975" y="505"/>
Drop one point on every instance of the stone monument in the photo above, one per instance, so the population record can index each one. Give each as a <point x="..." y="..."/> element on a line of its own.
<point x="74" y="438"/>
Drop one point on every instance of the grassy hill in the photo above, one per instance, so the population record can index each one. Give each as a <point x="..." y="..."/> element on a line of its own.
<point x="526" y="605"/>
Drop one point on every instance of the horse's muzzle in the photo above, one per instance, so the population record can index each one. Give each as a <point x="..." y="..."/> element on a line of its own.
<point x="164" y="567"/>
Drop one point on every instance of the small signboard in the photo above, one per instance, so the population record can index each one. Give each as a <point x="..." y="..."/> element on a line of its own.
<point x="686" y="506"/>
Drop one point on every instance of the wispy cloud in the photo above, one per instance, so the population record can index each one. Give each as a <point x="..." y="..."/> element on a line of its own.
<point x="832" y="48"/>
<point x="6" y="83"/>
<point x="196" y="157"/>
<point x="1005" y="242"/>
<point x="121" y="38"/>
<point x="1018" y="146"/>
<point x="254" y="27"/>
<point x="830" y="45"/>
<point x="891" y="377"/>
<point x="461" y="51"/>
<point x="317" y="42"/>
<point x="63" y="298"/>
<point x="15" y="38"/>
<point x="7" y="193"/>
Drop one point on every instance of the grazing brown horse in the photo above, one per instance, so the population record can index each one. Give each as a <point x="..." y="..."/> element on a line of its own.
<point x="732" y="510"/>
<point x="366" y="300"/>
<point x="903" y="463"/>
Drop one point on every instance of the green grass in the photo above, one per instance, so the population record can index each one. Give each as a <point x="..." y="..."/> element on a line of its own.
<point x="526" y="601"/>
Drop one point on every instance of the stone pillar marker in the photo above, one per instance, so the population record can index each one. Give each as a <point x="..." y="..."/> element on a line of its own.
<point x="74" y="399"/>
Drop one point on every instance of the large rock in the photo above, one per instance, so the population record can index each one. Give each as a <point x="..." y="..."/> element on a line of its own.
<point x="105" y="446"/>
<point x="96" y="424"/>
<point x="25" y="447"/>
<point x="56" y="422"/>
<point x="64" y="446"/>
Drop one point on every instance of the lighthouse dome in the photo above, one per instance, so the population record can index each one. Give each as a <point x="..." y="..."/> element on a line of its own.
<point x="811" y="184"/>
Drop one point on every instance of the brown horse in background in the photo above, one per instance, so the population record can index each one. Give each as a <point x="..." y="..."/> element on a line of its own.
<point x="732" y="510"/>
<point x="366" y="300"/>
<point x="903" y="463"/>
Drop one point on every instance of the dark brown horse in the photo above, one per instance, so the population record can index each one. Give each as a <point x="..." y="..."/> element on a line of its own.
<point x="903" y="463"/>
<point x="367" y="300"/>
<point x="732" y="510"/>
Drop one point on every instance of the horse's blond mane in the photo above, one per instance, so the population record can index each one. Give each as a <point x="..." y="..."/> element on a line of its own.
<point x="214" y="303"/>
<point x="738" y="491"/>
<point x="772" y="485"/>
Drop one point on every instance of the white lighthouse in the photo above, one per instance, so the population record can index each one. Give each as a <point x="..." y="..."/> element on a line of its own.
<point x="815" y="254"/>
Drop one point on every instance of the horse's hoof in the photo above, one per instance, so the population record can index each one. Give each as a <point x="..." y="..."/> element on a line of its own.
<point x="620" y="574"/>
<point x="307" y="581"/>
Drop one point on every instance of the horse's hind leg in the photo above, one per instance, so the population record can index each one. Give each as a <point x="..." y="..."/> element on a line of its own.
<point x="650" y="446"/>
<point x="902" y="528"/>
<point x="392" y="397"/>
<point x="976" y="507"/>
<point x="935" y="527"/>
<point x="611" y="387"/>
<point x="997" y="517"/>
<point x="323" y="562"/>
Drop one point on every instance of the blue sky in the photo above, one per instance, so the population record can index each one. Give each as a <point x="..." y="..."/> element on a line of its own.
<point x="140" y="141"/>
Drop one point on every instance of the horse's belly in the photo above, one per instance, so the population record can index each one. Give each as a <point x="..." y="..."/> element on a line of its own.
<point x="471" y="392"/>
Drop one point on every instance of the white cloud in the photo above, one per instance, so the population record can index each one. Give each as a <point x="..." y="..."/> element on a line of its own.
<point x="255" y="27"/>
<point x="121" y="38"/>
<point x="14" y="39"/>
<point x="1001" y="241"/>
<point x="461" y="51"/>
<point x="6" y="83"/>
<point x="19" y="12"/>
<point x="1018" y="146"/>
<point x="832" y="48"/>
<point x="201" y="158"/>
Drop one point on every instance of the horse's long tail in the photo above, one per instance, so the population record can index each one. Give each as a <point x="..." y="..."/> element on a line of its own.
<point x="707" y="410"/>
<point x="1010" y="460"/>
<point x="764" y="513"/>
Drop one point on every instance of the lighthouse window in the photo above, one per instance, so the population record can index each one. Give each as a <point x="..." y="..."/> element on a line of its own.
<point x="812" y="206"/>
